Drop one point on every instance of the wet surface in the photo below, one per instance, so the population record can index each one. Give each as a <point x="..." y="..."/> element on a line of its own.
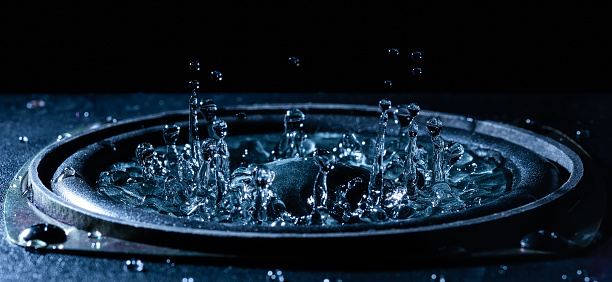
<point x="585" y="116"/>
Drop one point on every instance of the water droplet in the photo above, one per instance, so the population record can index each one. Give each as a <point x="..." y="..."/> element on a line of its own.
<point x="276" y="275"/>
<point x="241" y="115"/>
<point x="110" y="119"/>
<point x="417" y="72"/>
<point x="384" y="104"/>
<point x="144" y="153"/>
<point x="35" y="104"/>
<point x="437" y="278"/>
<point x="294" y="120"/>
<point x="135" y="265"/>
<point x="417" y="56"/>
<point x="24" y="139"/>
<point x="263" y="177"/>
<point x="97" y="235"/>
<point x="66" y="172"/>
<point x="393" y="52"/>
<point x="108" y="144"/>
<point x="171" y="133"/>
<point x="220" y="128"/>
<point x="582" y="134"/>
<point x="187" y="279"/>
<point x="544" y="240"/>
<point x="294" y="62"/>
<point x="388" y="83"/>
<point x="502" y="269"/>
<point x="564" y="277"/>
<point x="216" y="76"/>
<point x="36" y="244"/>
<point x="194" y="66"/>
<point x="325" y="159"/>
<point x="63" y="136"/>
<point x="43" y="233"/>
<point x="194" y="85"/>
<point x="434" y="126"/>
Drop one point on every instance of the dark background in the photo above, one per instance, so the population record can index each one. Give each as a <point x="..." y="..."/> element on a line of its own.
<point x="342" y="46"/>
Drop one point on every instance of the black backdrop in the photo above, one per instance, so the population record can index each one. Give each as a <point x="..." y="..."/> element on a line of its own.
<point x="97" y="47"/>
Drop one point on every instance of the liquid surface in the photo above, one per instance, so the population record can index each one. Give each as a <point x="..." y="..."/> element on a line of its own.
<point x="476" y="178"/>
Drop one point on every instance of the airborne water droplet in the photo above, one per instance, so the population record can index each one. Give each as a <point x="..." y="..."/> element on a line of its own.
<point x="24" y="139"/>
<point x="393" y="52"/>
<point x="417" y="56"/>
<point x="294" y="62"/>
<point x="194" y="66"/>
<point x="417" y="72"/>
<point x="241" y="115"/>
<point x="388" y="83"/>
<point x="216" y="76"/>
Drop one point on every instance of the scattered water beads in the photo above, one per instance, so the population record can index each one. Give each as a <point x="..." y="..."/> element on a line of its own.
<point x="406" y="182"/>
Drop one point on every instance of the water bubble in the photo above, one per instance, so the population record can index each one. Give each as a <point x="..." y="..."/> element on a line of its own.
<point x="171" y="133"/>
<point x="194" y="66"/>
<point x="393" y="52"/>
<point x="241" y="115"/>
<point x="35" y="104"/>
<point x="417" y="72"/>
<point x="43" y="234"/>
<point x="216" y="76"/>
<point x="135" y="265"/>
<point x="24" y="139"/>
<point x="434" y="126"/>
<point x="417" y="56"/>
<point x="194" y="85"/>
<point x="294" y="62"/>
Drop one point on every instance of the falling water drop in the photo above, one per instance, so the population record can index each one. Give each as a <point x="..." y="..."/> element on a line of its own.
<point x="24" y="139"/>
<point x="434" y="126"/>
<point x="294" y="62"/>
<point x="393" y="52"/>
<point x="388" y="83"/>
<point x="216" y="76"/>
<point x="194" y="66"/>
<point x="241" y="116"/>
<point x="417" y="72"/>
<point x="194" y="85"/>
<point x="417" y="56"/>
